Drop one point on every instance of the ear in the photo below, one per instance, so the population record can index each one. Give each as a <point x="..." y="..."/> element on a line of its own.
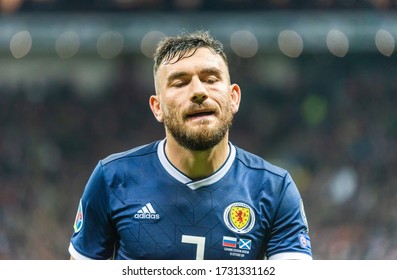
<point x="235" y="94"/>
<point x="154" y="102"/>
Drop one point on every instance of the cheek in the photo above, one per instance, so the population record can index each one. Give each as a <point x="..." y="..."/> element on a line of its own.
<point x="169" y="110"/>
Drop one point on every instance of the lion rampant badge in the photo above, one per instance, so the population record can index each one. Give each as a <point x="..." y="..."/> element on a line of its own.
<point x="239" y="217"/>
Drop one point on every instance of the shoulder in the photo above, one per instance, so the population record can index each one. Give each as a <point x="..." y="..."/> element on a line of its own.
<point x="136" y="152"/>
<point x="255" y="162"/>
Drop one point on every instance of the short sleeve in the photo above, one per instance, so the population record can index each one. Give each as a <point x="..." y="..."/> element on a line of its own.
<point x="93" y="236"/>
<point x="290" y="231"/>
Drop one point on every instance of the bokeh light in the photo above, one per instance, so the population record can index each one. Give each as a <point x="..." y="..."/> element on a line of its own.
<point x="337" y="43"/>
<point x="290" y="43"/>
<point x="149" y="42"/>
<point x="244" y="43"/>
<point x="67" y="44"/>
<point x="20" y="44"/>
<point x="385" y="43"/>
<point x="110" y="44"/>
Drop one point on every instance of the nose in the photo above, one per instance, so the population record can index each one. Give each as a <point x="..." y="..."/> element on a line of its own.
<point x="199" y="92"/>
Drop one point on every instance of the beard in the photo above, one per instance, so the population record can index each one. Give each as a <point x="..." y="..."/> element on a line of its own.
<point x="198" y="139"/>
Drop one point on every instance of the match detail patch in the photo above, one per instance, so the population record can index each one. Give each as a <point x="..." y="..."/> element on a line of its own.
<point x="303" y="215"/>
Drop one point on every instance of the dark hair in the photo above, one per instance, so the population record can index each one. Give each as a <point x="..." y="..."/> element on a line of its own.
<point x="178" y="46"/>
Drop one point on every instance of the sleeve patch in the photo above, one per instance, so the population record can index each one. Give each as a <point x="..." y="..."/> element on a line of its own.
<point x="78" y="222"/>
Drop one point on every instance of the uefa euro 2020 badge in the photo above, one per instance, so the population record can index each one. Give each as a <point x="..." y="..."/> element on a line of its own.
<point x="78" y="221"/>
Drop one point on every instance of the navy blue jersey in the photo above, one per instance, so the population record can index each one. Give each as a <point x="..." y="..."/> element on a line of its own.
<point x="137" y="205"/>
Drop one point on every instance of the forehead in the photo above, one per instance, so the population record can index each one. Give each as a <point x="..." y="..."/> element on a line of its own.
<point x="194" y="60"/>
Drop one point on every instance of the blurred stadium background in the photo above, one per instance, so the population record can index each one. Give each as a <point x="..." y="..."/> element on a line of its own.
<point x="319" y="98"/>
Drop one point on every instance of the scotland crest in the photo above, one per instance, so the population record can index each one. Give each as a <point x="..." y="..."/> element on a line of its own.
<point x="239" y="217"/>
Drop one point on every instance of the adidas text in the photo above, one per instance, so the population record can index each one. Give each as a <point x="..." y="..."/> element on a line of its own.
<point x="146" y="216"/>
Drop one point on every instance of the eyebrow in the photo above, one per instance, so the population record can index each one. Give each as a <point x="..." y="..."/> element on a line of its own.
<point x="211" y="71"/>
<point x="208" y="71"/>
<point x="176" y="75"/>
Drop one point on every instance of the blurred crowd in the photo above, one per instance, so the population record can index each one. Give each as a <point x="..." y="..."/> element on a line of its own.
<point x="11" y="6"/>
<point x="51" y="134"/>
<point x="330" y="121"/>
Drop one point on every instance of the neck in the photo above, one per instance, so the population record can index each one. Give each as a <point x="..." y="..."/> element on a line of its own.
<point x="197" y="164"/>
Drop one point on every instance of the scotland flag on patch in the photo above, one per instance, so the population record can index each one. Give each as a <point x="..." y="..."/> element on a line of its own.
<point x="244" y="244"/>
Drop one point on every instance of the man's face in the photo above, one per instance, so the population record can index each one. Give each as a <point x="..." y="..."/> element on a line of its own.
<point x="195" y="99"/>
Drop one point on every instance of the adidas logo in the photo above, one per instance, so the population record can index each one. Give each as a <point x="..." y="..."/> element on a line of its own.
<point x="147" y="212"/>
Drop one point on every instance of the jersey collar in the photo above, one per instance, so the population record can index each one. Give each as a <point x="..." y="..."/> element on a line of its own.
<point x="195" y="184"/>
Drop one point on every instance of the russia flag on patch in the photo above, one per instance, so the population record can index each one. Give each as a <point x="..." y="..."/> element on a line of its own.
<point x="229" y="241"/>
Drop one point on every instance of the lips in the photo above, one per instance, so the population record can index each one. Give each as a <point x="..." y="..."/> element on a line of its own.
<point x="201" y="113"/>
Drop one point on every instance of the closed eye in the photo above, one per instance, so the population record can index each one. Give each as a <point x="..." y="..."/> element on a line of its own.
<point x="179" y="84"/>
<point x="211" y="80"/>
<point x="178" y="79"/>
<point x="211" y="75"/>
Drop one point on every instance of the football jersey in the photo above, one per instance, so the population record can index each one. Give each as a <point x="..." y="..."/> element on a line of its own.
<point x="137" y="205"/>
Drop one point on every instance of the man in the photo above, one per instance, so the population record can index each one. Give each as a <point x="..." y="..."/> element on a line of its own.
<point x="192" y="195"/>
